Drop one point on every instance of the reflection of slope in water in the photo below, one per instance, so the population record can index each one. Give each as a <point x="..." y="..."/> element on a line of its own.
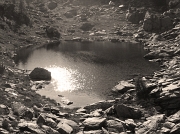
<point x="64" y="79"/>
<point x="91" y="57"/>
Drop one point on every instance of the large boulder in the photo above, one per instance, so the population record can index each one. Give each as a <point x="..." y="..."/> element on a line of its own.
<point x="52" y="32"/>
<point x="123" y="86"/>
<point x="115" y="126"/>
<point x="86" y="26"/>
<point x="64" y="128"/>
<point x="40" y="74"/>
<point x="166" y="22"/>
<point x="71" y="123"/>
<point x="153" y="22"/>
<point x="127" y="112"/>
<point x="94" y="123"/>
<point x="52" y="5"/>
<point x="28" y="114"/>
<point x="135" y="17"/>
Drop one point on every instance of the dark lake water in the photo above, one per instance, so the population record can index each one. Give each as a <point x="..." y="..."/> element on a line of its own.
<point x="86" y="72"/>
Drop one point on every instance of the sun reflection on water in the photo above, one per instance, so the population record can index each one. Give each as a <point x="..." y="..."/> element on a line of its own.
<point x="64" y="79"/>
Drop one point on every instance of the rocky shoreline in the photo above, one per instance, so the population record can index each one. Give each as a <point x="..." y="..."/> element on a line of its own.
<point x="146" y="105"/>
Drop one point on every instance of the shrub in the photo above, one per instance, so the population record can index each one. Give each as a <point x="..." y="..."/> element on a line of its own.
<point x="141" y="89"/>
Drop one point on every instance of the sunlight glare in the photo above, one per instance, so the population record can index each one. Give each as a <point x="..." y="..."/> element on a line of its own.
<point x="64" y="79"/>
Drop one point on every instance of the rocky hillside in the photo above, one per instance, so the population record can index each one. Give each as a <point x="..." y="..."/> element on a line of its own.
<point x="146" y="104"/>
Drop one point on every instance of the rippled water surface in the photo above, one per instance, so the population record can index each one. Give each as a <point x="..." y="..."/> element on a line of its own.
<point x="85" y="72"/>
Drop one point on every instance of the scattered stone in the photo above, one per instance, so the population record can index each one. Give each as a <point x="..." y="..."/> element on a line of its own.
<point x="110" y="111"/>
<point x="169" y="125"/>
<point x="18" y="108"/>
<point x="104" y="131"/>
<point x="93" y="132"/>
<point x="94" y="123"/>
<point x="28" y="114"/>
<point x="30" y="127"/>
<point x="6" y="124"/>
<point x="151" y="125"/>
<point x="71" y="123"/>
<point x="123" y="87"/>
<point x="41" y="120"/>
<point x="100" y="105"/>
<point x="49" y="130"/>
<point x="130" y="124"/>
<point x="52" y="43"/>
<point x="64" y="128"/>
<point x="100" y="33"/>
<point x="115" y="126"/>
<point x="81" y="110"/>
<point x="96" y="113"/>
<point x="77" y="39"/>
<point x="158" y="117"/>
<point x="165" y="130"/>
<point x="175" y="129"/>
<point x="66" y="101"/>
<point x="174" y="118"/>
<point x="55" y="110"/>
<point x="4" y="110"/>
<point x="47" y="107"/>
<point x="3" y="131"/>
<point x="50" y="122"/>
<point x="61" y="114"/>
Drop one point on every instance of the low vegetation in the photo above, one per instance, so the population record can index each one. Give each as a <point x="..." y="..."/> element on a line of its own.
<point x="141" y="90"/>
<point x="2" y="68"/>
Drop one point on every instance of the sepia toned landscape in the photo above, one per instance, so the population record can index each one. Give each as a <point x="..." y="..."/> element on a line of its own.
<point x="89" y="67"/>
